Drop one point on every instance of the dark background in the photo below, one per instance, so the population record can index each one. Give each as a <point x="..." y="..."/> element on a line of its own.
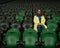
<point x="4" y="1"/>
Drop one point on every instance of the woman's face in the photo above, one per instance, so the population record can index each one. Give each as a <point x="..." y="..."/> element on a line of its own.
<point x="39" y="11"/>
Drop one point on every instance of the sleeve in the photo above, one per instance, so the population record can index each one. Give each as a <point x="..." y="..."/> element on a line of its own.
<point x="43" y="20"/>
<point x="35" y="20"/>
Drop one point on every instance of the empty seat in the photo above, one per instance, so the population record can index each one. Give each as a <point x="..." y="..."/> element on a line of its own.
<point x="11" y="38"/>
<point x="4" y="26"/>
<point x="28" y="18"/>
<point x="48" y="17"/>
<point x="15" y="25"/>
<point x="56" y="18"/>
<point x="47" y="11"/>
<point x="29" y="38"/>
<point x="51" y="21"/>
<point x="48" y="39"/>
<point x="27" y="24"/>
<point x="29" y="12"/>
<point x="10" y="19"/>
<point x="20" y="16"/>
<point x="52" y="26"/>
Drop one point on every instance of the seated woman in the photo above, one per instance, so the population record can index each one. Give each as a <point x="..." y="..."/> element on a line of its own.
<point x="39" y="21"/>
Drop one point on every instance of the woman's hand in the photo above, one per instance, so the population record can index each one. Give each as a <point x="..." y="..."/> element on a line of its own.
<point x="39" y="23"/>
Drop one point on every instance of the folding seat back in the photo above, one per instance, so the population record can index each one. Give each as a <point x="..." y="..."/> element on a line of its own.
<point x="52" y="26"/>
<point x="20" y="16"/>
<point x="22" y="13"/>
<point x="47" y="11"/>
<point x="11" y="38"/>
<point x="29" y="38"/>
<point x="51" y="21"/>
<point x="48" y="39"/>
<point x="27" y="24"/>
<point x="56" y="18"/>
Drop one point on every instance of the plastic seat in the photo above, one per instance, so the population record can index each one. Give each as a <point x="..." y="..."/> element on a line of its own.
<point x="29" y="38"/>
<point x="48" y="39"/>
<point x="51" y="21"/>
<point x="27" y="24"/>
<point x="56" y="18"/>
<point x="47" y="11"/>
<point x="11" y="38"/>
<point x="11" y="18"/>
<point x="52" y="26"/>
<point x="20" y="16"/>
<point x="54" y="21"/>
<point x="15" y="25"/>
<point x="4" y="26"/>
<point x="29" y="13"/>
<point x="28" y="18"/>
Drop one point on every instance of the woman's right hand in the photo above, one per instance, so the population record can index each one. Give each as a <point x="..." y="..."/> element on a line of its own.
<point x="39" y="23"/>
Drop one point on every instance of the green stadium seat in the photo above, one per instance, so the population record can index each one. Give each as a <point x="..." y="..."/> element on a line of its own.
<point x="47" y="11"/>
<point x="11" y="38"/>
<point x="29" y="38"/>
<point x="52" y="26"/>
<point x="48" y="39"/>
<point x="56" y="18"/>
<point x="51" y="21"/>
<point x="20" y="16"/>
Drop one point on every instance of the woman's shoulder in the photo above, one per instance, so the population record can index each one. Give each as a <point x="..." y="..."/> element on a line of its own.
<point x="35" y="15"/>
<point x="42" y="16"/>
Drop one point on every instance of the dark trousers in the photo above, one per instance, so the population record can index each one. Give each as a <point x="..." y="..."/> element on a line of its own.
<point x="40" y="28"/>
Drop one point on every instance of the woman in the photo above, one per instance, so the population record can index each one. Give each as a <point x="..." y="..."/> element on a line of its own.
<point x="39" y="21"/>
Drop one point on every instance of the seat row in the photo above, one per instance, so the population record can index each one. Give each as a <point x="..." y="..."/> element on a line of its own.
<point x="12" y="39"/>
